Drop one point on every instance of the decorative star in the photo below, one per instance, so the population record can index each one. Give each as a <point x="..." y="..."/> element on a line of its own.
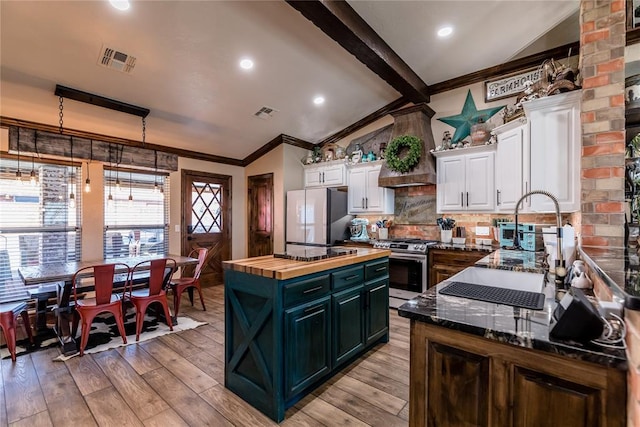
<point x="467" y="118"/>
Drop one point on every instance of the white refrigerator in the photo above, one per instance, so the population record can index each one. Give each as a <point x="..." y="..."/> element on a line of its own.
<point x="317" y="217"/>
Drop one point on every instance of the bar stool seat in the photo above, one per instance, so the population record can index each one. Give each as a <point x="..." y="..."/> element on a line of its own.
<point x="9" y="313"/>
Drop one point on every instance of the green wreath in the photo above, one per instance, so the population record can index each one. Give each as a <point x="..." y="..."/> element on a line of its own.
<point x="410" y="160"/>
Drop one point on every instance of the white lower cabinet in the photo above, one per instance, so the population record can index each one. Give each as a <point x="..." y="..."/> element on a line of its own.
<point x="513" y="173"/>
<point x="466" y="179"/>
<point x="365" y="196"/>
<point x="555" y="150"/>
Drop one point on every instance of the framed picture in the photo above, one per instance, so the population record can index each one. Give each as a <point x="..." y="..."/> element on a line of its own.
<point x="511" y="84"/>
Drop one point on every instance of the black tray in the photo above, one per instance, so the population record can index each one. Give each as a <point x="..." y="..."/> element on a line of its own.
<point x="523" y="299"/>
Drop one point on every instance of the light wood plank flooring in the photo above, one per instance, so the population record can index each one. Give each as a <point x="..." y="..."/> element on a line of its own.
<point x="178" y="380"/>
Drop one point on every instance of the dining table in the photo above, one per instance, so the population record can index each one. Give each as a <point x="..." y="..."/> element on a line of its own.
<point x="45" y="281"/>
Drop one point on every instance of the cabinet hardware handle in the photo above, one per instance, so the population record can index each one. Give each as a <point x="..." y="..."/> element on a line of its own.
<point x="355" y="276"/>
<point x="366" y="201"/>
<point x="381" y="268"/>
<point x="363" y="205"/>
<point x="467" y="199"/>
<point x="462" y="198"/>
<point x="498" y="197"/>
<point x="323" y="177"/>
<point x="306" y="310"/>
<point x="319" y="176"/>
<point x="308" y="291"/>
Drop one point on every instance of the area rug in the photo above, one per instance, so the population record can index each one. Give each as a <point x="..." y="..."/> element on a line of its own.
<point x="104" y="334"/>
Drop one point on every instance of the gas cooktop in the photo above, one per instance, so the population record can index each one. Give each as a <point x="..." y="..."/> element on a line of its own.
<point x="405" y="245"/>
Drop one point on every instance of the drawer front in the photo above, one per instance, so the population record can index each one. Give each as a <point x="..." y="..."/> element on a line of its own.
<point x="348" y="277"/>
<point x="376" y="269"/>
<point x="306" y="290"/>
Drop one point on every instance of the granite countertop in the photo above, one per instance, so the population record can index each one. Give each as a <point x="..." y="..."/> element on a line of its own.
<point x="282" y="268"/>
<point x="505" y="324"/>
<point x="620" y="270"/>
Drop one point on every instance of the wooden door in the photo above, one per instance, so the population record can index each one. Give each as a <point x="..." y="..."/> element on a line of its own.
<point x="206" y="220"/>
<point x="260" y="189"/>
<point x="348" y="324"/>
<point x="376" y="310"/>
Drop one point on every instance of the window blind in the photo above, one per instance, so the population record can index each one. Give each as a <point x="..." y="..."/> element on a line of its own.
<point x="139" y="226"/>
<point x="37" y="223"/>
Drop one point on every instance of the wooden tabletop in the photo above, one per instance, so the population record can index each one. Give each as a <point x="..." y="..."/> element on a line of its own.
<point x="37" y="274"/>
<point x="281" y="269"/>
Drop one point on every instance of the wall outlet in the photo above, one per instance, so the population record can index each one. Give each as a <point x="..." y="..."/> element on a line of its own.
<point x="374" y="228"/>
<point x="176" y="228"/>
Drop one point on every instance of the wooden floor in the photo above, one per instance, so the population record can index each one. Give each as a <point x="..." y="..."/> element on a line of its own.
<point x="178" y="380"/>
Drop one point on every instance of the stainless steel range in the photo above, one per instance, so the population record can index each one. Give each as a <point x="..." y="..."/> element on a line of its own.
<point x="407" y="268"/>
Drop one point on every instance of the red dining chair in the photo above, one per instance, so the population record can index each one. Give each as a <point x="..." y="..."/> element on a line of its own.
<point x="9" y="313"/>
<point x="160" y="272"/>
<point x="182" y="284"/>
<point x="104" y="302"/>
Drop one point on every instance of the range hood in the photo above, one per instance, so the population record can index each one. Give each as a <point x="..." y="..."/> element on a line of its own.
<point x="415" y="121"/>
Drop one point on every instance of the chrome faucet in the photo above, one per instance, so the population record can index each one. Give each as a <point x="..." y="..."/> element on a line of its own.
<point x="560" y="270"/>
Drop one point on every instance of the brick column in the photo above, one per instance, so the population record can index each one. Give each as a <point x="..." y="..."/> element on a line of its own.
<point x="602" y="43"/>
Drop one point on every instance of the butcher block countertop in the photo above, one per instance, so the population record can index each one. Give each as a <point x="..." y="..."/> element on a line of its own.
<point x="282" y="269"/>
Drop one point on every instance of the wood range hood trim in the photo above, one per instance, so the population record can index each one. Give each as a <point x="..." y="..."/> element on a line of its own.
<point x="414" y="120"/>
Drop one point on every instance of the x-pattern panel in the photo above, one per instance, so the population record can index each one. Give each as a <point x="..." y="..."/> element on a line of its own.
<point x="249" y="342"/>
<point x="216" y="196"/>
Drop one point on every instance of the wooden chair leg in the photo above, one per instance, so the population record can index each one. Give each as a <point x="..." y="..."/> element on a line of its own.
<point x="10" y="337"/>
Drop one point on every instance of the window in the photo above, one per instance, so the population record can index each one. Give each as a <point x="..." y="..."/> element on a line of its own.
<point x="37" y="223"/>
<point x="139" y="226"/>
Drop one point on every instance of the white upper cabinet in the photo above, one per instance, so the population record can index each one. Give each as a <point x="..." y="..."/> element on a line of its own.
<point x="513" y="175"/>
<point x="466" y="179"/>
<point x="365" y="196"/>
<point x="555" y="150"/>
<point x="331" y="174"/>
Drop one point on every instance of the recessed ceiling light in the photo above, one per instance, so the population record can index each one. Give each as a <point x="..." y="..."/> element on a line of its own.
<point x="318" y="100"/>
<point x="246" y="64"/>
<point x="120" y="4"/>
<point x="445" y="31"/>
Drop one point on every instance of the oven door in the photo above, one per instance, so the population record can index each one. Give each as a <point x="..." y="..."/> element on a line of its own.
<point x="407" y="274"/>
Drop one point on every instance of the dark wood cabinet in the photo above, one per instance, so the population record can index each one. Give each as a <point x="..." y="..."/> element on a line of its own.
<point x="283" y="337"/>
<point x="444" y="263"/>
<point x="457" y="383"/>
<point x="376" y="313"/>
<point x="459" y="379"/>
<point x="307" y="356"/>
<point x="348" y="324"/>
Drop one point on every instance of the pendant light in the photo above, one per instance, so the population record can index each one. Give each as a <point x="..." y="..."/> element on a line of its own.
<point x="72" y="197"/>
<point x="110" y="198"/>
<point x="130" y="195"/>
<point x="87" y="183"/>
<point x="18" y="173"/>
<point x="155" y="176"/>
<point x="33" y="178"/>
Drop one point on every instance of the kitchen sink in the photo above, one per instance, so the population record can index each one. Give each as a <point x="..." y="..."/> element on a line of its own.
<point x="506" y="279"/>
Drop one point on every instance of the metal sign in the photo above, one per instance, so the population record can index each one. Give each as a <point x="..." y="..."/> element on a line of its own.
<point x="510" y="85"/>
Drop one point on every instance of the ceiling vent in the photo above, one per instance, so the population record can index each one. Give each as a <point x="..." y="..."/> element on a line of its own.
<point x="265" y="113"/>
<point x="113" y="58"/>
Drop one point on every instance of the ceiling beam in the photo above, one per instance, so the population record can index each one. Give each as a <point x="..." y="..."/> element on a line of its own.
<point x="340" y="22"/>
<point x="100" y="101"/>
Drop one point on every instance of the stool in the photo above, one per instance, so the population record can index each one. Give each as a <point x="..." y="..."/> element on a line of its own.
<point x="9" y="312"/>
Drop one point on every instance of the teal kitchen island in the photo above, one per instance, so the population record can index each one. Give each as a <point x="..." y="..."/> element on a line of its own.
<point x="290" y="325"/>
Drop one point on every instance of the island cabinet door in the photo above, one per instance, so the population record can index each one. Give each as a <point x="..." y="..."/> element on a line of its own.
<point x="307" y="344"/>
<point x="540" y="399"/>
<point x="457" y="387"/>
<point x="376" y="312"/>
<point x="348" y="324"/>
